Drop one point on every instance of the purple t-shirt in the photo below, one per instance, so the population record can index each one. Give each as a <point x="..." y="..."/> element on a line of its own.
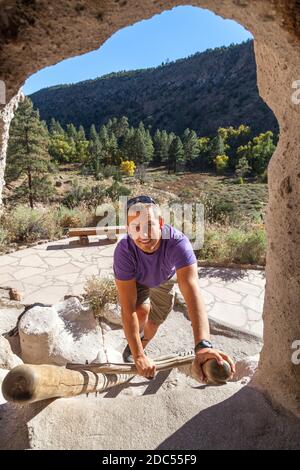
<point x="152" y="269"/>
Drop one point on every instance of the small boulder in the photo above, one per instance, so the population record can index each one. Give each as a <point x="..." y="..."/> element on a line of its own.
<point x="61" y="333"/>
<point x="14" y="295"/>
<point x="112" y="313"/>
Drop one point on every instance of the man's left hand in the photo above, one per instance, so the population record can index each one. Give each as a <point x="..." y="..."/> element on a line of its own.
<point x="204" y="355"/>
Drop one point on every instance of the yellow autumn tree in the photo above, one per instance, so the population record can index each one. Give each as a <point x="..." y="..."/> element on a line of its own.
<point x="128" y="167"/>
<point x="221" y="162"/>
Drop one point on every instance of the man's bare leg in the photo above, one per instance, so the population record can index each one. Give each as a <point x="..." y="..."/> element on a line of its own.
<point x="150" y="327"/>
<point x="150" y="330"/>
<point x="142" y="311"/>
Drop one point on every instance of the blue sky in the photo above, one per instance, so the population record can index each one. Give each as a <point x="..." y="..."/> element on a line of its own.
<point x="171" y="35"/>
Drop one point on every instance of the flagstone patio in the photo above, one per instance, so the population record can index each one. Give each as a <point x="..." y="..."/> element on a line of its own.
<point x="47" y="272"/>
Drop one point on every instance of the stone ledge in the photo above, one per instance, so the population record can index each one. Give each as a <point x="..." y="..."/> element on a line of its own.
<point x="225" y="417"/>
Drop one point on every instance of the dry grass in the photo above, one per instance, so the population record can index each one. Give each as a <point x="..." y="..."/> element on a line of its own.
<point x="227" y="244"/>
<point x="223" y="195"/>
<point x="98" y="292"/>
<point x="25" y="224"/>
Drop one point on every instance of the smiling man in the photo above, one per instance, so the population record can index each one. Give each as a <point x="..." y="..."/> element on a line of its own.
<point x="145" y="261"/>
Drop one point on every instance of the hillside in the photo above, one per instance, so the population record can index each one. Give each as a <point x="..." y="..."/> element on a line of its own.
<point x="203" y="92"/>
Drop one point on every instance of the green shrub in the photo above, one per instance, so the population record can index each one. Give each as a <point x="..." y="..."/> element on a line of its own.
<point x="111" y="171"/>
<point x="74" y="196"/>
<point x="99" y="176"/>
<point x="94" y="195"/>
<point x="244" y="245"/>
<point x="186" y="193"/>
<point x="213" y="246"/>
<point x="67" y="218"/>
<point x="116" y="190"/>
<point x="42" y="190"/>
<point x="90" y="196"/>
<point x="118" y="176"/>
<point x="218" y="210"/>
<point x="86" y="170"/>
<point x="247" y="247"/>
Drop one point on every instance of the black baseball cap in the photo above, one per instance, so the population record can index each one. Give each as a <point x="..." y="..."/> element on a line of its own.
<point x="140" y="200"/>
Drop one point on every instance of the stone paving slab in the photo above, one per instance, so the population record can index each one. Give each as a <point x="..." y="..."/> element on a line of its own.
<point x="47" y="272"/>
<point x="227" y="298"/>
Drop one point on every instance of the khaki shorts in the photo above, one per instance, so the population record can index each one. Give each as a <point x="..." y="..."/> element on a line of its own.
<point x="161" y="299"/>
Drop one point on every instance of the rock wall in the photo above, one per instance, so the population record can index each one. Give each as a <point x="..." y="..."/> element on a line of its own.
<point x="6" y="115"/>
<point x="277" y="374"/>
<point x="38" y="33"/>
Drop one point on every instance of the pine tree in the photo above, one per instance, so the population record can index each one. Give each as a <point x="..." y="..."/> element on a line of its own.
<point x="55" y="127"/>
<point x="81" y="146"/>
<point x="166" y="156"/>
<point x="141" y="145"/>
<point x="81" y="133"/>
<point x="166" y="140"/>
<point x="149" y="146"/>
<point x="138" y="147"/>
<point x="71" y="131"/>
<point x="109" y="144"/>
<point x="161" y="145"/>
<point x="122" y="127"/>
<point x="113" y="150"/>
<point x="95" y="158"/>
<point x="28" y="155"/>
<point x="157" y="145"/>
<point x="191" y="147"/>
<point x="93" y="133"/>
<point x="110" y="126"/>
<point x="126" y="144"/>
<point x="203" y="159"/>
<point x="104" y="137"/>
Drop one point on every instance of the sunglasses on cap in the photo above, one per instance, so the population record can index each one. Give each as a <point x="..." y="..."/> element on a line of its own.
<point x="140" y="199"/>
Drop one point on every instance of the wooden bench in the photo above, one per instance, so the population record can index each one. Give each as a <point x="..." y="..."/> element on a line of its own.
<point x="84" y="232"/>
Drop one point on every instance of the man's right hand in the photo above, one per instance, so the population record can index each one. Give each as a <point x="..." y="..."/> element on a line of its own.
<point x="145" y="367"/>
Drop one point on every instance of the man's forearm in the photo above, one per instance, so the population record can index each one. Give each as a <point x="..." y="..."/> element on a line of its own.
<point x="197" y="313"/>
<point x="189" y="286"/>
<point x="131" y="329"/>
